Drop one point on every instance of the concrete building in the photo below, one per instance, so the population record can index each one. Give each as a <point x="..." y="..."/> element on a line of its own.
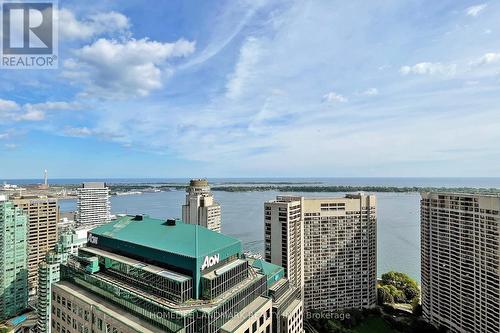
<point x="49" y="273"/>
<point x="200" y="207"/>
<point x="460" y="250"/>
<point x="139" y="274"/>
<point x="93" y="206"/>
<point x="328" y="246"/>
<point x="13" y="260"/>
<point x="284" y="236"/>
<point x="43" y="216"/>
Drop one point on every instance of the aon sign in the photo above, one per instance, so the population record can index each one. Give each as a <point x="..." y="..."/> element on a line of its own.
<point x="92" y="239"/>
<point x="210" y="261"/>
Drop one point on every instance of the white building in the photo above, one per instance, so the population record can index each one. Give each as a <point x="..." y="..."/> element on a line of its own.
<point x="200" y="207"/>
<point x="460" y="250"/>
<point x="93" y="205"/>
<point x="327" y="247"/>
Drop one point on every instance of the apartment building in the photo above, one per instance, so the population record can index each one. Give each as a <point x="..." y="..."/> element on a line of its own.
<point x="93" y="205"/>
<point x="460" y="250"/>
<point x="43" y="216"/>
<point x="13" y="260"/>
<point x="284" y="236"/>
<point x="330" y="244"/>
<point x="200" y="207"/>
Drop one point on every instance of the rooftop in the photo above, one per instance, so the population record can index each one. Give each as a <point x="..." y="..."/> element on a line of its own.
<point x="248" y="312"/>
<point x="155" y="233"/>
<point x="125" y="317"/>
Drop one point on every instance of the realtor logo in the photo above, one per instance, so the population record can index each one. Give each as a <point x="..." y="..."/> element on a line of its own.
<point x="29" y="38"/>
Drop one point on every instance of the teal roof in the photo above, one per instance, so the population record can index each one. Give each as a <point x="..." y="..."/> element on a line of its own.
<point x="266" y="267"/>
<point x="154" y="233"/>
<point x="272" y="271"/>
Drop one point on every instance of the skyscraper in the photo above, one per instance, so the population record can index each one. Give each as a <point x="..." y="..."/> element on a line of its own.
<point x="200" y="207"/>
<point x="284" y="236"/>
<point x="13" y="260"/>
<point x="139" y="274"/>
<point x="93" y="205"/>
<point x="460" y="250"/>
<point x="43" y="216"/>
<point x="327" y="246"/>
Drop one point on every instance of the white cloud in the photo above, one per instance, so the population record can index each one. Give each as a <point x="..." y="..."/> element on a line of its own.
<point x="10" y="145"/>
<point x="31" y="115"/>
<point x="10" y="110"/>
<point x="7" y="106"/>
<point x="77" y="131"/>
<point x="111" y="68"/>
<point x="4" y="136"/>
<point x="429" y="68"/>
<point x="333" y="97"/>
<point x="73" y="29"/>
<point x="244" y="70"/>
<point x="371" y="92"/>
<point x="475" y="10"/>
<point x="488" y="58"/>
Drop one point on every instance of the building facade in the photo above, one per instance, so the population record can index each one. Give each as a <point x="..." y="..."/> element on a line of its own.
<point x="13" y="260"/>
<point x="164" y="276"/>
<point x="284" y="236"/>
<point x="93" y="206"/>
<point x="460" y="237"/>
<point x="200" y="207"/>
<point x="49" y="273"/>
<point x="328" y="247"/>
<point x="43" y="216"/>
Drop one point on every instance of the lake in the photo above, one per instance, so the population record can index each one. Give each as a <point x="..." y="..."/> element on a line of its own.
<point x="398" y="218"/>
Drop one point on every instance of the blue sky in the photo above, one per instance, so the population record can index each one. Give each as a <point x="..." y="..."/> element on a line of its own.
<point x="247" y="88"/>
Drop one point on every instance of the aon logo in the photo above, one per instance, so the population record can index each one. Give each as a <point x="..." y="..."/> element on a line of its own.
<point x="210" y="261"/>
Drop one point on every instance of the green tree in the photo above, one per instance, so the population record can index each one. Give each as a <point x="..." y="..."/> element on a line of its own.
<point x="402" y="283"/>
<point x="384" y="295"/>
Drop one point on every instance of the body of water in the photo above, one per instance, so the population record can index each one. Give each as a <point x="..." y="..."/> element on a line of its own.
<point x="243" y="217"/>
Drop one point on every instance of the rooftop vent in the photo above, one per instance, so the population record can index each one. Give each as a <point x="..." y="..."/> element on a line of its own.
<point x="170" y="222"/>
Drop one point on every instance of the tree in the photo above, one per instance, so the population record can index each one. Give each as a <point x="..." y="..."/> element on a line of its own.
<point x="404" y="284"/>
<point x="384" y="295"/>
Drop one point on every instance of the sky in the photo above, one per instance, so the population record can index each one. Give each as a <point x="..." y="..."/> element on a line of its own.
<point x="256" y="88"/>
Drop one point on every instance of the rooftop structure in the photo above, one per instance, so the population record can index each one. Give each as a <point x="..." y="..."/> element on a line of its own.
<point x="197" y="279"/>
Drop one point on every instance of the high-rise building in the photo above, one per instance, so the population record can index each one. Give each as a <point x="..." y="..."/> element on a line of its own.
<point x="93" y="206"/>
<point x="43" y="216"/>
<point x="13" y="260"/>
<point x="200" y="207"/>
<point x="284" y="236"/>
<point x="139" y="274"/>
<point x="460" y="250"/>
<point x="49" y="273"/>
<point x="328" y="247"/>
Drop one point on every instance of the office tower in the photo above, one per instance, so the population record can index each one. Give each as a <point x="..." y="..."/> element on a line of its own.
<point x="460" y="261"/>
<point x="13" y="260"/>
<point x="93" y="205"/>
<point x="329" y="242"/>
<point x="49" y="273"/>
<point x="139" y="274"/>
<point x="200" y="207"/>
<point x="284" y="240"/>
<point x="43" y="216"/>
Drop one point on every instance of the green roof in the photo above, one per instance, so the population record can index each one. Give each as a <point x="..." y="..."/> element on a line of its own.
<point x="272" y="271"/>
<point x="155" y="233"/>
